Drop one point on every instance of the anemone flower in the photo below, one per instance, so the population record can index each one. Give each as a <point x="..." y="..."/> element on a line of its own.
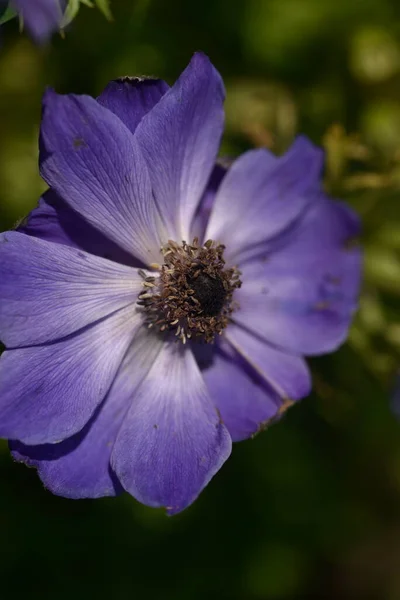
<point x="157" y="306"/>
<point x="40" y="17"/>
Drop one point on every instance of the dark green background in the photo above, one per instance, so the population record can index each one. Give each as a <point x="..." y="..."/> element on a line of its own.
<point x="311" y="508"/>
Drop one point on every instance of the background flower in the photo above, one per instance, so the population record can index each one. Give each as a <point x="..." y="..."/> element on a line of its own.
<point x="40" y="17"/>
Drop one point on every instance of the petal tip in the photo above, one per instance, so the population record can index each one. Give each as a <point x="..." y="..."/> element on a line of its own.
<point x="302" y="144"/>
<point x="49" y="94"/>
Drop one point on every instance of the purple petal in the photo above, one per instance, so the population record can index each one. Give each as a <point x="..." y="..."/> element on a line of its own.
<point x="285" y="373"/>
<point x="261" y="195"/>
<point x="172" y="441"/>
<point x="79" y="467"/>
<point x="301" y="296"/>
<point x="48" y="291"/>
<point x="243" y="397"/>
<point x="49" y="393"/>
<point x="40" y="17"/>
<point x="53" y="220"/>
<point x="180" y="138"/>
<point x="131" y="98"/>
<point x="91" y="159"/>
<point x="395" y="396"/>
<point x="201" y="218"/>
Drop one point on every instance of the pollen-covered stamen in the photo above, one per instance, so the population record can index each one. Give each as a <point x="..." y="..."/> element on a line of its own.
<point x="192" y="294"/>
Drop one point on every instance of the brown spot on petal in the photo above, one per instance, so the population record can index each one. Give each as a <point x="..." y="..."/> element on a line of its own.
<point x="286" y="404"/>
<point x="334" y="280"/>
<point x="79" y="143"/>
<point x="351" y="242"/>
<point x="323" y="305"/>
<point x="220" y="420"/>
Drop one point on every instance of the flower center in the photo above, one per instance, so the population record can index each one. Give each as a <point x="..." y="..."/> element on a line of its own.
<point x="210" y="292"/>
<point x="192" y="295"/>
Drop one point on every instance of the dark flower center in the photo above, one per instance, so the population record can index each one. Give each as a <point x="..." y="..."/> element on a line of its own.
<point x="210" y="292"/>
<point x="192" y="294"/>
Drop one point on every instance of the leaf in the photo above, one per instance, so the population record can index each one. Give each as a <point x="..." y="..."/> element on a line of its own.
<point x="6" y="14"/>
<point x="71" y="11"/>
<point x="73" y="8"/>
<point x="104" y="6"/>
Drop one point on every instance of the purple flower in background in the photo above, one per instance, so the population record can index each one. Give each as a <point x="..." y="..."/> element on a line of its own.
<point x="156" y="306"/>
<point x="40" y="17"/>
<point x="395" y="396"/>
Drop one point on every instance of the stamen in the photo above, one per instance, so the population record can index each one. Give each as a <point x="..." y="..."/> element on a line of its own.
<point x="192" y="295"/>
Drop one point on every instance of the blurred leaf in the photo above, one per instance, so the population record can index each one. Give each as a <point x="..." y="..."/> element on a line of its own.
<point x="382" y="266"/>
<point x="70" y="12"/>
<point x="104" y="6"/>
<point x="381" y="125"/>
<point x="375" y="54"/>
<point x="262" y="112"/>
<point x="6" y="14"/>
<point x="73" y="9"/>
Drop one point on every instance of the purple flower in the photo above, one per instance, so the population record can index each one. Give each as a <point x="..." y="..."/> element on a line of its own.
<point x="40" y="17"/>
<point x="156" y="306"/>
<point x="395" y="396"/>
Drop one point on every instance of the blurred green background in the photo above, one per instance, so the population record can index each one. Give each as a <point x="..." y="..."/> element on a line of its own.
<point x="311" y="508"/>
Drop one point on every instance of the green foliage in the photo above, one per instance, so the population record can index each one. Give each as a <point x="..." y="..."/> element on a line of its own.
<point x="71" y="11"/>
<point x="73" y="7"/>
<point x="104" y="6"/>
<point x="6" y="14"/>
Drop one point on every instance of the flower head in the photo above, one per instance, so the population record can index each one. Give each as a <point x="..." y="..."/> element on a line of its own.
<point x="40" y="17"/>
<point x="156" y="305"/>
